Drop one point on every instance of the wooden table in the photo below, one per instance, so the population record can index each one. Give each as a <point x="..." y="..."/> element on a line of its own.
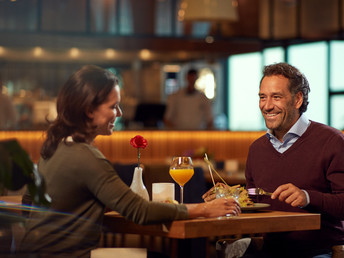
<point x="246" y="223"/>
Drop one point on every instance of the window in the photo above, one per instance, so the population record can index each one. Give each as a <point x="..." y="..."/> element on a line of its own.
<point x="273" y="55"/>
<point x="311" y="60"/>
<point x="337" y="64"/>
<point x="337" y="111"/>
<point x="244" y="77"/>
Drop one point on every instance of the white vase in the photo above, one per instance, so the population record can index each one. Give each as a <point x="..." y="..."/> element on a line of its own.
<point x="137" y="185"/>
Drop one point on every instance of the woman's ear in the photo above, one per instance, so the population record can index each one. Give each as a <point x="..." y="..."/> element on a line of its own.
<point x="90" y="114"/>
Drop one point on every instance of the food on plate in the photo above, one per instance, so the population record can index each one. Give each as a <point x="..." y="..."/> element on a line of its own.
<point x="236" y="191"/>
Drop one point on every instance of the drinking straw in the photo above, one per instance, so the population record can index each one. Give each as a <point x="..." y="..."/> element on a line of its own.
<point x="211" y="167"/>
<point x="211" y="173"/>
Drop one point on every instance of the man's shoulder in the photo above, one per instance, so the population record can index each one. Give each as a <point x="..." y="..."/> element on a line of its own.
<point x="324" y="129"/>
<point x="262" y="139"/>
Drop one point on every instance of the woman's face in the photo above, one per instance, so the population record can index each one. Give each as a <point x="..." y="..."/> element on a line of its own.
<point x="104" y="116"/>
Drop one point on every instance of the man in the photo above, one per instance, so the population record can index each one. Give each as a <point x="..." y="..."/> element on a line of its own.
<point x="301" y="162"/>
<point x="188" y="108"/>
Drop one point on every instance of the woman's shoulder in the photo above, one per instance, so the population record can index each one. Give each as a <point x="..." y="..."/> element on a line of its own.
<point x="81" y="149"/>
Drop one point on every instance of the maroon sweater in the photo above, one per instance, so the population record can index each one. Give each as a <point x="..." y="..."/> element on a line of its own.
<point x="315" y="163"/>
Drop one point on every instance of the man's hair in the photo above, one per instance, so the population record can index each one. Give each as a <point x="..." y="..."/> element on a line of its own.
<point x="297" y="81"/>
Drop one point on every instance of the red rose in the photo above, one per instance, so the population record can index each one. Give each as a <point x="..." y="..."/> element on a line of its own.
<point x="138" y="142"/>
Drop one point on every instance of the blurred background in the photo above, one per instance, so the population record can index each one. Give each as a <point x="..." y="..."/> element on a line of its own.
<point x="150" y="45"/>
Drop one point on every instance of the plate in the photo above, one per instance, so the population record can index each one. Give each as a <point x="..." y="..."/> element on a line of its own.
<point x="255" y="207"/>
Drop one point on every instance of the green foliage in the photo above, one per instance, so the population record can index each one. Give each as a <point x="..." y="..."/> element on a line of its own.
<point x="17" y="169"/>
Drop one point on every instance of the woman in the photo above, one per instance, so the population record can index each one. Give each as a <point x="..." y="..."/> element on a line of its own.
<point x="81" y="182"/>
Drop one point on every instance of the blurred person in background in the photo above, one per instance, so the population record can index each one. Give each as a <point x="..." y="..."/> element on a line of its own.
<point x="82" y="182"/>
<point x="8" y="114"/>
<point x="188" y="108"/>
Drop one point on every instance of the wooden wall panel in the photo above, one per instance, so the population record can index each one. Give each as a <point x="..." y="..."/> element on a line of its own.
<point x="162" y="145"/>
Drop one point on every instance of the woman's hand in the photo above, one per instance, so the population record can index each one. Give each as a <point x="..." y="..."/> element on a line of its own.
<point x="214" y="208"/>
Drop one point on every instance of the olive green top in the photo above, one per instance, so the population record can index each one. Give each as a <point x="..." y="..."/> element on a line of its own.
<point x="81" y="183"/>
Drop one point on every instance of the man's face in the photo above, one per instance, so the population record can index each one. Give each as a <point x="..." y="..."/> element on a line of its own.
<point x="279" y="107"/>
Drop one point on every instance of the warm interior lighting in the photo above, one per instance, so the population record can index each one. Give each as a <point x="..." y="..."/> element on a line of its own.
<point x="37" y="51"/>
<point x="74" y="52"/>
<point x="145" y="54"/>
<point x="208" y="10"/>
<point x="2" y="50"/>
<point x="171" y="68"/>
<point x="206" y="82"/>
<point x="110" y="53"/>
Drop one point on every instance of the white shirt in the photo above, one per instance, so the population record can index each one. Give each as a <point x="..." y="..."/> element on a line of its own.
<point x="189" y="111"/>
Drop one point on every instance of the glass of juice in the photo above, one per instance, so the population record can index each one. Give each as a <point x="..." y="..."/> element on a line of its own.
<point x="181" y="170"/>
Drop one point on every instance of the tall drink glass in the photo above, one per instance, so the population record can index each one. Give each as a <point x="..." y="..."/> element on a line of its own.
<point x="181" y="170"/>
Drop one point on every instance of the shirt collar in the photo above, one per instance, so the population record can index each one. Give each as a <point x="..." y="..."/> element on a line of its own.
<point x="298" y="128"/>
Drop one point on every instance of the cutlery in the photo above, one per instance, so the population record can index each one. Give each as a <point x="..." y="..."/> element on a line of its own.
<point x="257" y="191"/>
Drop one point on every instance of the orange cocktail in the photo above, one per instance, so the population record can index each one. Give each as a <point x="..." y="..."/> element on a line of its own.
<point x="181" y="176"/>
<point x="181" y="170"/>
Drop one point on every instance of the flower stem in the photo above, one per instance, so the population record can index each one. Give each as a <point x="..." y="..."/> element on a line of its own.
<point x="138" y="156"/>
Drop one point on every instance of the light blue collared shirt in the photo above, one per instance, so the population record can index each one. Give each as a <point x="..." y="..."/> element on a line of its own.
<point x="290" y="138"/>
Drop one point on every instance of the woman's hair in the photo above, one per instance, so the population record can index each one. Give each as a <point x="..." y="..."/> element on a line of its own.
<point x="297" y="81"/>
<point x="83" y="92"/>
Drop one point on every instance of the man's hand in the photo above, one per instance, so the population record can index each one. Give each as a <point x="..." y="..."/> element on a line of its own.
<point x="290" y="194"/>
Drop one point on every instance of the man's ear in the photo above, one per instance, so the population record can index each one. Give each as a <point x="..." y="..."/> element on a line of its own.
<point x="298" y="99"/>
